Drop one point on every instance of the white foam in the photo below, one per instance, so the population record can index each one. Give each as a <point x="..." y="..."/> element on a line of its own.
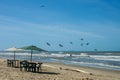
<point x="112" y="58"/>
<point x="80" y="55"/>
<point x="59" y="55"/>
<point x="93" y="64"/>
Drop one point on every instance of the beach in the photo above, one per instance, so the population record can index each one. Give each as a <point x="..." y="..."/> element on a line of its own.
<point x="57" y="71"/>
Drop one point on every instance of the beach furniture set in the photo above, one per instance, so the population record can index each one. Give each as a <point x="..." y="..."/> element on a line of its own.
<point x="25" y="65"/>
<point x="30" y="66"/>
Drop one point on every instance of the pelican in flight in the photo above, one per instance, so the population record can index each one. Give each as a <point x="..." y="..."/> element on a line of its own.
<point x="48" y="44"/>
<point x="60" y="45"/>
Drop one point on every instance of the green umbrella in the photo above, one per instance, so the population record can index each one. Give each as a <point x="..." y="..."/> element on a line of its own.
<point x="32" y="48"/>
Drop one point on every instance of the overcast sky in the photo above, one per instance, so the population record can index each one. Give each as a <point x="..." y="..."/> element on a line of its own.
<point x="35" y="22"/>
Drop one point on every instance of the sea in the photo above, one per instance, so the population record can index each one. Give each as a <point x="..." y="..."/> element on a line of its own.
<point x="105" y="60"/>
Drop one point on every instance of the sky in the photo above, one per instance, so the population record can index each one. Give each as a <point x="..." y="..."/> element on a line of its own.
<point x="36" y="22"/>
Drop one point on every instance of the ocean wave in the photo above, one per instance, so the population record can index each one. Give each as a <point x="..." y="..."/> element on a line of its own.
<point x="110" y="58"/>
<point x="80" y="55"/>
<point x="85" y="59"/>
<point x="97" y="65"/>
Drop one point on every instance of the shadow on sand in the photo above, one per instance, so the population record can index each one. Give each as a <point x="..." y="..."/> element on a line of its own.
<point x="51" y="73"/>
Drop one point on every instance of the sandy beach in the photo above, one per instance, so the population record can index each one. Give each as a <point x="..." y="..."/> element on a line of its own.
<point x="56" y="71"/>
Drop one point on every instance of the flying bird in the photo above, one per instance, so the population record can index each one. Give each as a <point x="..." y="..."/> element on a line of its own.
<point x="81" y="39"/>
<point x="81" y="44"/>
<point x="60" y="45"/>
<point x="95" y="49"/>
<point x="87" y="43"/>
<point x="71" y="42"/>
<point x="48" y="44"/>
<point x="42" y="5"/>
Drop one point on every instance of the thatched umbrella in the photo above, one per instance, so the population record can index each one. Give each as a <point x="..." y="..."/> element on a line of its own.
<point x="14" y="49"/>
<point x="32" y="48"/>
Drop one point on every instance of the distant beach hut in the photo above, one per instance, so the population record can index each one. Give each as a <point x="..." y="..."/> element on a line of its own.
<point x="14" y="49"/>
<point x="32" y="48"/>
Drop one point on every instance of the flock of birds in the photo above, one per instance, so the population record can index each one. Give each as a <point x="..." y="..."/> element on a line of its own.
<point x="82" y="44"/>
<point x="61" y="45"/>
<point x="69" y="42"/>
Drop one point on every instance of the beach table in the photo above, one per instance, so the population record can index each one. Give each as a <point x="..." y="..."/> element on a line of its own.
<point x="30" y="66"/>
<point x="13" y="63"/>
<point x="16" y="63"/>
<point x="24" y="65"/>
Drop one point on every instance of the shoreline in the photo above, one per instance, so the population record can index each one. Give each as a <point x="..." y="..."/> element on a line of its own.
<point x="84" y="68"/>
<point x="105" y="61"/>
<point x="58" y="71"/>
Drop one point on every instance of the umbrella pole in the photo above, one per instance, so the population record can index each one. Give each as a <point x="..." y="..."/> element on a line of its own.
<point x="31" y="55"/>
<point x="14" y="55"/>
